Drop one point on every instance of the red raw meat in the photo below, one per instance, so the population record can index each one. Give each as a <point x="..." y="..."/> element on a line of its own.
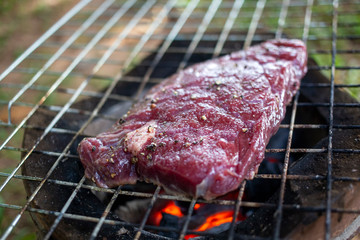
<point x="204" y="130"/>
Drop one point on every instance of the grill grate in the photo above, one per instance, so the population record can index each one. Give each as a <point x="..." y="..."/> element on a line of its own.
<point x="95" y="46"/>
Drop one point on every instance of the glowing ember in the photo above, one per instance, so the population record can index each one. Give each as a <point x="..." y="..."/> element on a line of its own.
<point x="197" y="206"/>
<point x="216" y="220"/>
<point x="170" y="208"/>
<point x="213" y="220"/>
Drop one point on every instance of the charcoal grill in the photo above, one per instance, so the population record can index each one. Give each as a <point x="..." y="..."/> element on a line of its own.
<point x="104" y="53"/>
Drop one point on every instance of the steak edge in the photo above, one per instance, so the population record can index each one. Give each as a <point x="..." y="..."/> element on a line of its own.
<point x="204" y="130"/>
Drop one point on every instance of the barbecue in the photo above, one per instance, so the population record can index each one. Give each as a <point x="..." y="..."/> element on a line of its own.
<point x="113" y="52"/>
<point x="204" y="130"/>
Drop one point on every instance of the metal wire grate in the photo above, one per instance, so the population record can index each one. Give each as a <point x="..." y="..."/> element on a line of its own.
<point x="94" y="47"/>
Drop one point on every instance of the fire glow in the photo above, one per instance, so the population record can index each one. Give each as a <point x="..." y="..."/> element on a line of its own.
<point x="214" y="220"/>
<point x="170" y="208"/>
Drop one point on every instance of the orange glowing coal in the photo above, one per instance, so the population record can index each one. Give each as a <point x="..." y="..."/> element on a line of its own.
<point x="216" y="220"/>
<point x="170" y="208"/>
<point x="213" y="220"/>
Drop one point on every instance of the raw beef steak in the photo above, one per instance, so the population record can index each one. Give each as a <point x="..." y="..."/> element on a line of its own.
<point x="204" y="130"/>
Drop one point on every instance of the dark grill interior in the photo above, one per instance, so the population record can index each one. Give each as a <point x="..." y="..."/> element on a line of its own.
<point x="87" y="70"/>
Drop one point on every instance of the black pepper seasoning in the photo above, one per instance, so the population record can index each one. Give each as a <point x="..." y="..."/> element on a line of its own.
<point x="151" y="147"/>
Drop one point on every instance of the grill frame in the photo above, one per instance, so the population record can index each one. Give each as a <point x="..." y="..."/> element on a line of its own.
<point x="175" y="33"/>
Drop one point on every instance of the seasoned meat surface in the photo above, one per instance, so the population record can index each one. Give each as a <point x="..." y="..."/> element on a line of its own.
<point x="204" y="130"/>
